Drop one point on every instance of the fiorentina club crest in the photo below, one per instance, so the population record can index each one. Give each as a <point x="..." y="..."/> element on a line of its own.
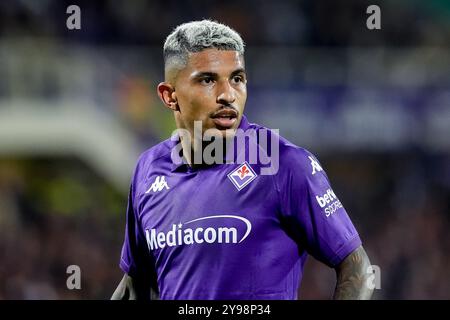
<point x="242" y="175"/>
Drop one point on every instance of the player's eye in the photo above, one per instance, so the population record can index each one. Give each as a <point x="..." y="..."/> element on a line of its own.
<point x="206" y="81"/>
<point x="238" y="79"/>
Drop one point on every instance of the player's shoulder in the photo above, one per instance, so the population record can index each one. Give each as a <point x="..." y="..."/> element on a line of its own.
<point x="299" y="164"/>
<point x="290" y="154"/>
<point x="293" y="153"/>
<point x="159" y="153"/>
<point x="284" y="159"/>
<point x="297" y="160"/>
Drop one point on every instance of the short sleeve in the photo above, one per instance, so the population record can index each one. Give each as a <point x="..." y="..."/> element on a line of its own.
<point x="314" y="215"/>
<point x="135" y="260"/>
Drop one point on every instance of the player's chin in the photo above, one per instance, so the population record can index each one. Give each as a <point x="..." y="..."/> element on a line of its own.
<point x="220" y="132"/>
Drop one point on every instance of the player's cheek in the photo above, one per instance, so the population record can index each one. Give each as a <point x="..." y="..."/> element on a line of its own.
<point x="242" y="98"/>
<point x="199" y="107"/>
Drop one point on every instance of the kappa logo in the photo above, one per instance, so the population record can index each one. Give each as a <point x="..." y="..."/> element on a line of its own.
<point x="315" y="165"/>
<point x="159" y="185"/>
<point x="242" y="176"/>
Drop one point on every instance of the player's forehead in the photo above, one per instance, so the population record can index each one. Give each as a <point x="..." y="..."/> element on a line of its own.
<point x="215" y="61"/>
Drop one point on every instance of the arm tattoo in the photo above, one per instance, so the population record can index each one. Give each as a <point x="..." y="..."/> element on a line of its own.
<point x="352" y="277"/>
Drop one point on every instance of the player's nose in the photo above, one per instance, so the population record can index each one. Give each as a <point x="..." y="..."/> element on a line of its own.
<point x="226" y="94"/>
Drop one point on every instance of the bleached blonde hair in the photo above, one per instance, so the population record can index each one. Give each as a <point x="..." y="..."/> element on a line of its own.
<point x="196" y="36"/>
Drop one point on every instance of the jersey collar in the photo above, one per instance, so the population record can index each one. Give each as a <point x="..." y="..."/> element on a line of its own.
<point x="184" y="167"/>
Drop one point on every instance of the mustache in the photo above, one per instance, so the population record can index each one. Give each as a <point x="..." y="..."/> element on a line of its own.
<point x="229" y="108"/>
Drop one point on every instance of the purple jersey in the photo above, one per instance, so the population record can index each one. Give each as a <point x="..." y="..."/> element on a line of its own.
<point x="226" y="231"/>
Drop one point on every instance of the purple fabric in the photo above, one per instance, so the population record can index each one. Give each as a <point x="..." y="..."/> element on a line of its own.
<point x="202" y="235"/>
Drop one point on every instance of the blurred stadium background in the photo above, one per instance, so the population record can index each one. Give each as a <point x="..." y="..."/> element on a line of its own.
<point x="77" y="108"/>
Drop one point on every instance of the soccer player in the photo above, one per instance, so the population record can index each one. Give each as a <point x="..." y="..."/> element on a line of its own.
<point x="198" y="230"/>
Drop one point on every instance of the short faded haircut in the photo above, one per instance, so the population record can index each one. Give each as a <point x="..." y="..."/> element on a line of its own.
<point x="196" y="36"/>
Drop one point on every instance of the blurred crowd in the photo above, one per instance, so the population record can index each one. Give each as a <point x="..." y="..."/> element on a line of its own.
<point x="305" y="23"/>
<point x="57" y="211"/>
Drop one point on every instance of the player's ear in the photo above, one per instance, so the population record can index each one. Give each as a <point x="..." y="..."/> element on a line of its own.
<point x="166" y="93"/>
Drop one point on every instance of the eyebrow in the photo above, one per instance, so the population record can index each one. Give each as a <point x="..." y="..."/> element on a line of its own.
<point x="237" y="71"/>
<point x="214" y="75"/>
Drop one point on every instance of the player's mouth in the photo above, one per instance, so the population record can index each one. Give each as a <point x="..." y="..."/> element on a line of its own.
<point x="224" y="118"/>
